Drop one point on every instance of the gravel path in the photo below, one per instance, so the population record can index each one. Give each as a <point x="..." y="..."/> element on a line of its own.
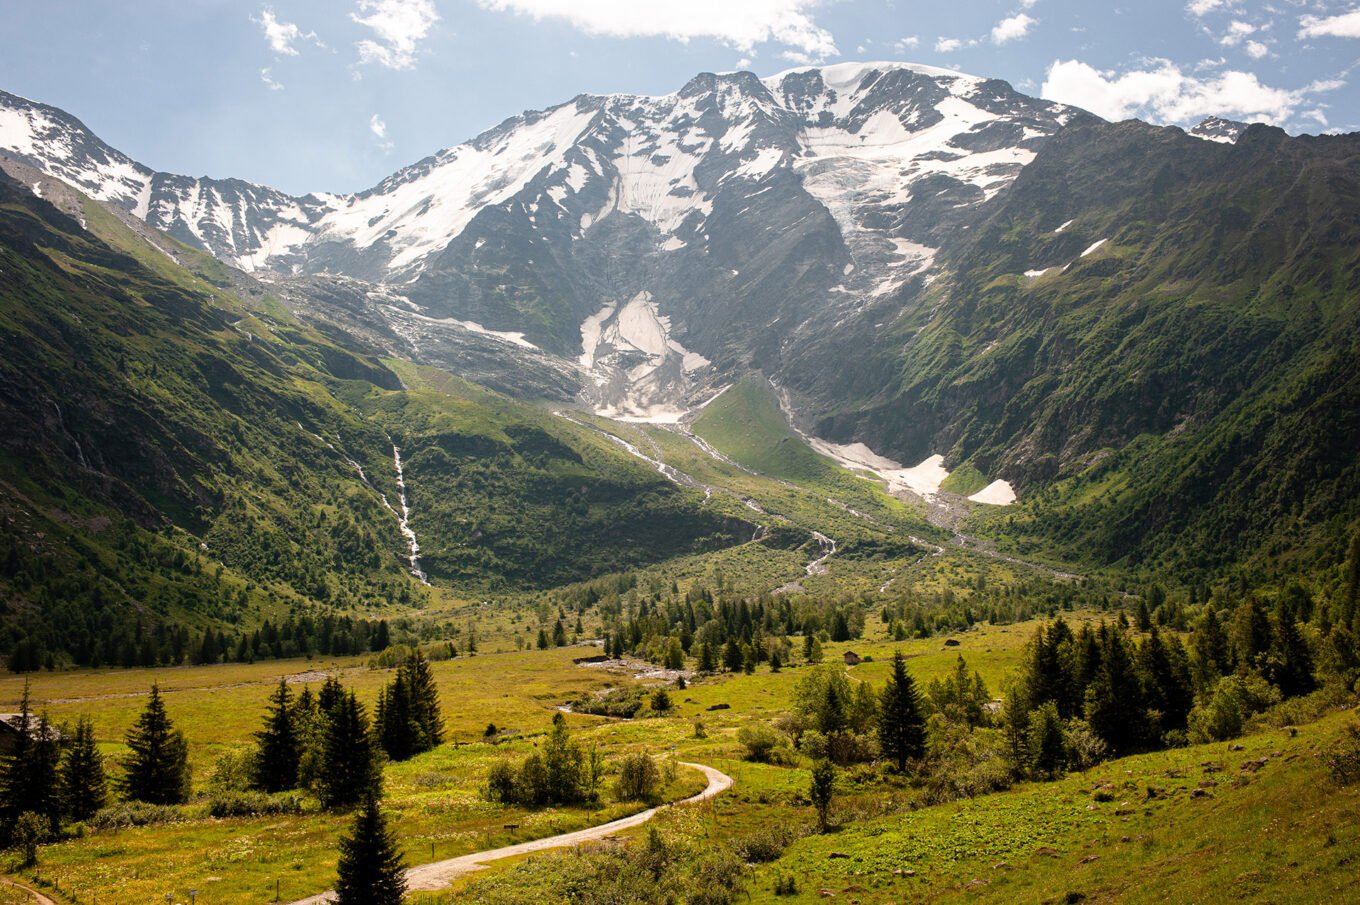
<point x="439" y="874"/>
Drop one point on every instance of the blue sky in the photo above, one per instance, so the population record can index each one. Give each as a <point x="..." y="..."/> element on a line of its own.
<point x="334" y="95"/>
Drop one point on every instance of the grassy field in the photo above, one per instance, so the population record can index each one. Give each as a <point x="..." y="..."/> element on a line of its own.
<point x="1268" y="827"/>
<point x="1141" y="839"/>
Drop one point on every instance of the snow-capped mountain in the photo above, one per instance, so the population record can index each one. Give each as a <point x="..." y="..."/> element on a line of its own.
<point x="655" y="244"/>
<point x="1214" y="128"/>
<point x="239" y="222"/>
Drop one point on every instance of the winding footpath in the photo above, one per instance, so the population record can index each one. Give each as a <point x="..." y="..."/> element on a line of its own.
<point x="439" y="874"/>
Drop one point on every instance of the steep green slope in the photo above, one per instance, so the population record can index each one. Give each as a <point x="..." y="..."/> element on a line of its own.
<point x="506" y="495"/>
<point x="745" y="423"/>
<point x="1154" y="338"/>
<point x="175" y="455"/>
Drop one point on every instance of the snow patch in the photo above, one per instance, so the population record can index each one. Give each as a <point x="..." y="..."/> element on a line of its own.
<point x="1093" y="246"/>
<point x="997" y="493"/>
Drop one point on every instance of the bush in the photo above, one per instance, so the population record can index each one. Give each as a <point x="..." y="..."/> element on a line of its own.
<point x="135" y="813"/>
<point x="1234" y="700"/>
<point x="621" y="703"/>
<point x="639" y="779"/>
<point x="764" y="846"/>
<point x="233" y="772"/>
<point x="1084" y="747"/>
<point x="254" y="804"/>
<point x="762" y="742"/>
<point x="1343" y="759"/>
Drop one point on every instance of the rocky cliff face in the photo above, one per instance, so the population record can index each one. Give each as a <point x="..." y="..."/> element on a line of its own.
<point x="640" y="250"/>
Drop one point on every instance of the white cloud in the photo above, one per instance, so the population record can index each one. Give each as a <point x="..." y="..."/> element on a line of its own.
<point x="1012" y="28"/>
<point x="267" y="77"/>
<point x="1237" y="33"/>
<point x="947" y="45"/>
<point x="282" y="36"/>
<point x="1345" y="25"/>
<point x="1256" y="50"/>
<point x="1163" y="93"/>
<point x="744" y="63"/>
<point x="399" y="25"/>
<point x="911" y="42"/>
<point x="379" y="130"/>
<point x="741" y="24"/>
<point x="1204" y="7"/>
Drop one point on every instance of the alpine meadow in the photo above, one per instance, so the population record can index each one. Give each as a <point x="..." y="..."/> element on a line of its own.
<point x="866" y="482"/>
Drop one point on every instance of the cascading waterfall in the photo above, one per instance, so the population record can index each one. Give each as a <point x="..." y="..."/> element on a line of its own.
<point x="404" y="517"/>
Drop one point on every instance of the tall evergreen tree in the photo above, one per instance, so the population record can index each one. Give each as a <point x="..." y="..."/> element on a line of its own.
<point x="425" y="713"/>
<point x="350" y="769"/>
<point x="278" y="748"/>
<point x="901" y="723"/>
<point x="396" y="730"/>
<point x="370" y="869"/>
<point x="28" y="775"/>
<point x="157" y="769"/>
<point x="84" y="788"/>
<point x="1115" y="707"/>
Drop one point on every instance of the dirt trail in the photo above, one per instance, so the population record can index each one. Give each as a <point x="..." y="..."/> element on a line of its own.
<point x="37" y="896"/>
<point x="439" y="874"/>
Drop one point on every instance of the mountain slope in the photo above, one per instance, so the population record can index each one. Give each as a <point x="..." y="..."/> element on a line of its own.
<point x="638" y="251"/>
<point x="175" y="455"/>
<point x="1166" y="327"/>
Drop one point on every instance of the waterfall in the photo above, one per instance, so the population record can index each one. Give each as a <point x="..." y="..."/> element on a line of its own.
<point x="404" y="517"/>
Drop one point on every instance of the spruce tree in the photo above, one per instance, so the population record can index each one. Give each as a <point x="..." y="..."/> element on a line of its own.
<point x="84" y="789"/>
<point x="395" y="727"/>
<point x="28" y="775"/>
<point x="350" y="769"/>
<point x="278" y="748"/>
<point x="901" y="723"/>
<point x="157" y="769"/>
<point x="370" y="869"/>
<point x="425" y="713"/>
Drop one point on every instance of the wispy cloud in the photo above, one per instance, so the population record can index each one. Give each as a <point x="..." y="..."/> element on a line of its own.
<point x="1344" y="25"/>
<point x="267" y="77"/>
<point x="949" y="45"/>
<point x="398" y="26"/>
<point x="902" y="45"/>
<point x="282" y="36"/>
<point x="741" y="25"/>
<point x="1205" y="7"/>
<point x="1161" y="92"/>
<point x="1012" y="28"/>
<point x="379" y="130"/>
<point x="1237" y="32"/>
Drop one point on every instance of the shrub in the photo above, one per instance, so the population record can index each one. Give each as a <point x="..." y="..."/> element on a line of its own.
<point x="233" y="772"/>
<point x="762" y="741"/>
<point x="1233" y="701"/>
<point x="254" y="804"/>
<point x="1085" y="749"/>
<point x="134" y="813"/>
<point x="639" y="779"/>
<point x="764" y="846"/>
<point x="621" y="703"/>
<point x="1343" y="758"/>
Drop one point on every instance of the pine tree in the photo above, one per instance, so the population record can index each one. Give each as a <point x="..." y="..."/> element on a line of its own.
<point x="350" y="769"/>
<point x="393" y="718"/>
<point x="28" y="775"/>
<point x="901" y="723"/>
<point x="84" y="789"/>
<point x="425" y="712"/>
<point x="370" y="869"/>
<point x="157" y="770"/>
<point x="278" y="750"/>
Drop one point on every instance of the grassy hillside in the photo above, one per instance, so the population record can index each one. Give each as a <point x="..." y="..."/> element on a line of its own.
<point x="1178" y="388"/>
<point x="178" y="458"/>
